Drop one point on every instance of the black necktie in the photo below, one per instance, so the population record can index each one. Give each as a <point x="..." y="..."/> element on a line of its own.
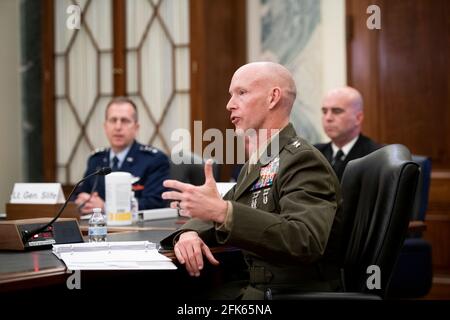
<point x="115" y="166"/>
<point x="338" y="163"/>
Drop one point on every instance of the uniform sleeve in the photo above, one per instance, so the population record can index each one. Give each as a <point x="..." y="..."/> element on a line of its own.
<point x="308" y="195"/>
<point x="157" y="172"/>
<point x="205" y="230"/>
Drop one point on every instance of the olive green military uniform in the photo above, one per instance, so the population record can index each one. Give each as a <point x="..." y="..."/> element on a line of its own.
<point x="285" y="219"/>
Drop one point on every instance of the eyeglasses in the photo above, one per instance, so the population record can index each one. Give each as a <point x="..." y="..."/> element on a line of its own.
<point x="122" y="121"/>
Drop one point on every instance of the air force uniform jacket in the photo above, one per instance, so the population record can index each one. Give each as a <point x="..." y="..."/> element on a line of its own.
<point x="146" y="164"/>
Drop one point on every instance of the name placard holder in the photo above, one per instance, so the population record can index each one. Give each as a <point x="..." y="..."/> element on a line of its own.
<point x="29" y="211"/>
<point x="38" y="200"/>
<point x="37" y="193"/>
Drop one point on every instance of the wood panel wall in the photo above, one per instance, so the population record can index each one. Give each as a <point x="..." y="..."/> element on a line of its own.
<point x="218" y="48"/>
<point x="48" y="89"/>
<point x="402" y="71"/>
<point x="438" y="221"/>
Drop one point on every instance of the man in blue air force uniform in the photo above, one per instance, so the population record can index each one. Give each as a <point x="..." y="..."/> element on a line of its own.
<point x="148" y="166"/>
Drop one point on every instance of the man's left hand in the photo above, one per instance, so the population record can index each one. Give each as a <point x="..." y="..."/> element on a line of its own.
<point x="203" y="202"/>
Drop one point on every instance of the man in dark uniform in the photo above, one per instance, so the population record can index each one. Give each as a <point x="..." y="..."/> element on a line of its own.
<point x="148" y="166"/>
<point x="342" y="117"/>
<point x="284" y="211"/>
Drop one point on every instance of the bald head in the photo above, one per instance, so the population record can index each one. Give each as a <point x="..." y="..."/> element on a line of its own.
<point x="347" y="95"/>
<point x="342" y="115"/>
<point x="262" y="95"/>
<point x="270" y="74"/>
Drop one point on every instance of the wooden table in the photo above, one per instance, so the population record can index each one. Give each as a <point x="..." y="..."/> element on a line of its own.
<point x="30" y="269"/>
<point x="41" y="269"/>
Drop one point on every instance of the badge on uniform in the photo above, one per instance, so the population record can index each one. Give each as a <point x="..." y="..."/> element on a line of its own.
<point x="137" y="187"/>
<point x="267" y="174"/>
<point x="254" y="202"/>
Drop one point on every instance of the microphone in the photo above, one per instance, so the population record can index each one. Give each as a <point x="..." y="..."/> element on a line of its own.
<point x="27" y="234"/>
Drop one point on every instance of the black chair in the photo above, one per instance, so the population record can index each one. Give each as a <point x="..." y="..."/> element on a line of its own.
<point x="413" y="273"/>
<point x="191" y="169"/>
<point x="378" y="192"/>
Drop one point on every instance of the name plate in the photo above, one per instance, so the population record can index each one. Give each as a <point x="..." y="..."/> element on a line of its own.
<point x="37" y="193"/>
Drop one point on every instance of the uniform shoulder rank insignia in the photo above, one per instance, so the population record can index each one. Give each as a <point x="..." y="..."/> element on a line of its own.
<point x="267" y="174"/>
<point x="148" y="149"/>
<point x="99" y="150"/>
<point x="296" y="143"/>
<point x="294" y="146"/>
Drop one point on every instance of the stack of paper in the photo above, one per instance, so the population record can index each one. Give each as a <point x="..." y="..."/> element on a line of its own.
<point x="126" y="255"/>
<point x="157" y="214"/>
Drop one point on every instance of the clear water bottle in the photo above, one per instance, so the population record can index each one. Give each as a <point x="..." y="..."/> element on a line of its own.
<point x="134" y="206"/>
<point x="97" y="226"/>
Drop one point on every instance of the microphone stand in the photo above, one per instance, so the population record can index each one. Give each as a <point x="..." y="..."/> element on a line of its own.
<point x="94" y="186"/>
<point x="28" y="234"/>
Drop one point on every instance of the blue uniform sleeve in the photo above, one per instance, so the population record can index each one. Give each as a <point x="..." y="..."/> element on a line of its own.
<point x="150" y="197"/>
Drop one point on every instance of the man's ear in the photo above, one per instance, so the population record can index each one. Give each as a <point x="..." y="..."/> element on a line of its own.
<point x="360" y="117"/>
<point x="274" y="97"/>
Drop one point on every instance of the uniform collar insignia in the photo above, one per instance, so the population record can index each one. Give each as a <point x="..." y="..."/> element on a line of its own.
<point x="148" y="148"/>
<point x="296" y="143"/>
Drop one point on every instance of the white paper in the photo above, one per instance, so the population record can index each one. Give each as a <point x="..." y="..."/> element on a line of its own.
<point x="155" y="214"/>
<point x="37" y="193"/>
<point x="224" y="187"/>
<point x="120" y="255"/>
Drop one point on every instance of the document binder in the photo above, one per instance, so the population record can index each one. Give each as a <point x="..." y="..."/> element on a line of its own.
<point x="120" y="255"/>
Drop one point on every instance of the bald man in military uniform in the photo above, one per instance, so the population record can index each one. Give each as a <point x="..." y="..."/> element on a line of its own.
<point x="148" y="165"/>
<point x="283" y="213"/>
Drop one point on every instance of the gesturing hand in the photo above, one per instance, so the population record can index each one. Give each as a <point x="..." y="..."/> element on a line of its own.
<point x="203" y="202"/>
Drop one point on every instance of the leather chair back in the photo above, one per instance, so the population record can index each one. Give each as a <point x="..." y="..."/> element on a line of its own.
<point x="413" y="274"/>
<point x="423" y="188"/>
<point x="378" y="192"/>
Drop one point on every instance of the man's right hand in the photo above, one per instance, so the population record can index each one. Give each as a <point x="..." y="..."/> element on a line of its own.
<point x="86" y="202"/>
<point x="190" y="249"/>
<point x="82" y="198"/>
